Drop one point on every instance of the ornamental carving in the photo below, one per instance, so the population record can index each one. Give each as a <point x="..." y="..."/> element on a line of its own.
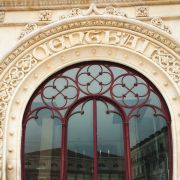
<point x="168" y="63"/>
<point x="142" y="11"/>
<point x="2" y="15"/>
<point x="94" y="10"/>
<point x="28" y="28"/>
<point x="158" y="22"/>
<point x="114" y="11"/>
<point x="53" y="40"/>
<point x="45" y="15"/>
<point x="74" y="12"/>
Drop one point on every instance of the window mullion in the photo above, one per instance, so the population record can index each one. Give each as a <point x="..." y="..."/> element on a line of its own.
<point x="63" y="170"/>
<point x="127" y="151"/>
<point x="95" y="138"/>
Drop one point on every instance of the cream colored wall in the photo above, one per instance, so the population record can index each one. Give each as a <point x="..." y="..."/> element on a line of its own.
<point x="96" y="35"/>
<point x="15" y="21"/>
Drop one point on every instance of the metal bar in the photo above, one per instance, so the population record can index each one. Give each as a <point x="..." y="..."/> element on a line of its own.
<point x="127" y="151"/>
<point x="22" y="152"/>
<point x="63" y="168"/>
<point x="170" y="160"/>
<point x="95" y="138"/>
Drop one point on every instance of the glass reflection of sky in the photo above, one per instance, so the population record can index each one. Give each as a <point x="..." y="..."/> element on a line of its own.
<point x="35" y="135"/>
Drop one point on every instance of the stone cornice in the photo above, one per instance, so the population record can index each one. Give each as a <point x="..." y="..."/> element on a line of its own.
<point x="13" y="5"/>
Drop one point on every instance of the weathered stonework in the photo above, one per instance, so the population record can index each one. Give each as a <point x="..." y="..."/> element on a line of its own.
<point x="158" y="22"/>
<point x="28" y="28"/>
<point x="142" y="11"/>
<point x="81" y="37"/>
<point x="45" y="15"/>
<point x="2" y="15"/>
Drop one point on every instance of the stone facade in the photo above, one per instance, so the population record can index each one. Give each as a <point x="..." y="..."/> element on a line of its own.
<point x="36" y="42"/>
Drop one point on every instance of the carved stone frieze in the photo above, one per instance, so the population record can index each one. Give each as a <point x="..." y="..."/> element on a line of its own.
<point x="142" y="11"/>
<point x="45" y="15"/>
<point x="73" y="13"/>
<point x="114" y="11"/>
<point x="28" y="28"/>
<point x="158" y="22"/>
<point x="170" y="64"/>
<point x="2" y="15"/>
<point x="54" y="4"/>
<point x="94" y="10"/>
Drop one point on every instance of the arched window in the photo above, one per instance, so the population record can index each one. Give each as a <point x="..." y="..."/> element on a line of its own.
<point x="96" y="121"/>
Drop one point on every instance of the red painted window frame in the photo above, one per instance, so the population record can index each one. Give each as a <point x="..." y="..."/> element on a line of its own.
<point x="94" y="98"/>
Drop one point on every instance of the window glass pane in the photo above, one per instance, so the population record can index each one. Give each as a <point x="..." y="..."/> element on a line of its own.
<point x="42" y="146"/>
<point x="149" y="145"/>
<point x="110" y="144"/>
<point x="80" y="143"/>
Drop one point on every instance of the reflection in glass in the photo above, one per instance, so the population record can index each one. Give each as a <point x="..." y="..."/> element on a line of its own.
<point x="110" y="143"/>
<point x="149" y="147"/>
<point x="42" y="146"/>
<point x="80" y="143"/>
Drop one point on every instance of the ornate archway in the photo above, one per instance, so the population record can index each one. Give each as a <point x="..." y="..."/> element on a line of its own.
<point x="140" y="46"/>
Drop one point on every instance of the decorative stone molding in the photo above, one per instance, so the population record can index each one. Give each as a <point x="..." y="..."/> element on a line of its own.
<point x="142" y="11"/>
<point x="158" y="22"/>
<point x="110" y="10"/>
<point x="45" y="15"/>
<point x="147" y="43"/>
<point x="73" y="13"/>
<point x="57" y="4"/>
<point x="2" y="15"/>
<point x="114" y="11"/>
<point x="28" y="28"/>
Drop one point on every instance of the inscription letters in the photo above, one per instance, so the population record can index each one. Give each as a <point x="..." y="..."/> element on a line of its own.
<point x="117" y="38"/>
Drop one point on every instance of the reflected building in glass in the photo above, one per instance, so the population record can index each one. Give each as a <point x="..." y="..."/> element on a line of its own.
<point x="148" y="163"/>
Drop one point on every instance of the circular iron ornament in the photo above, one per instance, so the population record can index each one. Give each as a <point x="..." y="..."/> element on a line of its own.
<point x="121" y="90"/>
<point x="94" y="79"/>
<point x="60" y="93"/>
